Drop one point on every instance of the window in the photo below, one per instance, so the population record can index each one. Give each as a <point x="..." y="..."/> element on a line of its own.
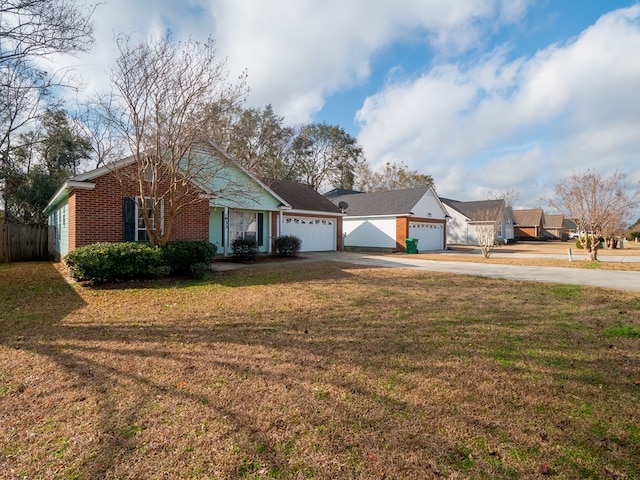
<point x="246" y="225"/>
<point x="134" y="229"/>
<point x="243" y="225"/>
<point x="141" y="229"/>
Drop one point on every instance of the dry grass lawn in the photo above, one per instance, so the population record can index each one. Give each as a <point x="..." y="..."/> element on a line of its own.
<point x="316" y="370"/>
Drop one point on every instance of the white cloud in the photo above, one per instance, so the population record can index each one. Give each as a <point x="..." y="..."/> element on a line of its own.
<point x="298" y="53"/>
<point x="576" y="103"/>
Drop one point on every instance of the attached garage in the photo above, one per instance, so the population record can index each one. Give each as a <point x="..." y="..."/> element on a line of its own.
<point x="315" y="220"/>
<point x="430" y="236"/>
<point x="318" y="234"/>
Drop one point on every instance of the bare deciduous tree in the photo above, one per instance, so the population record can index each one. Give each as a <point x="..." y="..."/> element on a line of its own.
<point x="509" y="196"/>
<point x="32" y="29"/>
<point x="485" y="221"/>
<point x="36" y="28"/>
<point x="598" y="205"/>
<point x="162" y="93"/>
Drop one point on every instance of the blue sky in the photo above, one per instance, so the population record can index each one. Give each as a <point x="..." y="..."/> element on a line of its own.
<point x="489" y="95"/>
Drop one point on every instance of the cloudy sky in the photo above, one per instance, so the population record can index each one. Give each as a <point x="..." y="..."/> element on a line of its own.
<point x="487" y="95"/>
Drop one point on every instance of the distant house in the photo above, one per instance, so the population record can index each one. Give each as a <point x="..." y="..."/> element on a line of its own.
<point x="384" y="220"/>
<point x="528" y="223"/>
<point x="104" y="205"/>
<point x="570" y="226"/>
<point x="555" y="226"/>
<point x="465" y="216"/>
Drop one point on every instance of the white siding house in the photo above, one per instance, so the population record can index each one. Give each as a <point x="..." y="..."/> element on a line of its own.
<point x="384" y="220"/>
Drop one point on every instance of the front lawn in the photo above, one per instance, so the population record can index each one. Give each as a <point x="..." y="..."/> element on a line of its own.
<point x="316" y="370"/>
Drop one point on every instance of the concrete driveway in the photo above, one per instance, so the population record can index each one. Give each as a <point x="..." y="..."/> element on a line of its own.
<point x="620" y="280"/>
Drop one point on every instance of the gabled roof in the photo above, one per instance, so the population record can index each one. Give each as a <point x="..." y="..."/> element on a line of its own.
<point x="207" y="184"/>
<point x="569" y="224"/>
<point x="528" y="217"/>
<point x="554" y="221"/>
<point x="392" y="202"/>
<point x="336" y="192"/>
<point x="301" y="196"/>
<point x="478" y="211"/>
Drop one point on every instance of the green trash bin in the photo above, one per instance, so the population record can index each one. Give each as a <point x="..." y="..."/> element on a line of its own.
<point x="411" y="245"/>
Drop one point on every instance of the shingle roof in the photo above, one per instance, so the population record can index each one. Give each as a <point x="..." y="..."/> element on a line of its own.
<point x="336" y="192"/>
<point x="478" y="210"/>
<point x="554" y="221"/>
<point x="393" y="202"/>
<point x="528" y="217"/>
<point x="301" y="197"/>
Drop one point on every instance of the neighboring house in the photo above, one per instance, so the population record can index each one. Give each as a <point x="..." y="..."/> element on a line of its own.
<point x="465" y="216"/>
<point x="529" y="223"/>
<point x="570" y="226"/>
<point x="554" y="226"/>
<point x="384" y="220"/>
<point x="312" y="218"/>
<point x="103" y="205"/>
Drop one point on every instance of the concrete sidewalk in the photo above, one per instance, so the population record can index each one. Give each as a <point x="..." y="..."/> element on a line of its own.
<point x="620" y="280"/>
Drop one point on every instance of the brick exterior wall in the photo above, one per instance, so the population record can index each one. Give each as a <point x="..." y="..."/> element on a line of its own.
<point x="96" y="215"/>
<point x="402" y="232"/>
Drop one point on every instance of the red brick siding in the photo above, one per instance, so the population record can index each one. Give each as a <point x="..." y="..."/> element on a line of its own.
<point x="402" y="232"/>
<point x="96" y="215"/>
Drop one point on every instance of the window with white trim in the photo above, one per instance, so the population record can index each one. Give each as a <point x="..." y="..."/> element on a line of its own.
<point x="142" y="235"/>
<point x="243" y="225"/>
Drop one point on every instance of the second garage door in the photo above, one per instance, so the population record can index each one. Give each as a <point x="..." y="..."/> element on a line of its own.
<point x="430" y="235"/>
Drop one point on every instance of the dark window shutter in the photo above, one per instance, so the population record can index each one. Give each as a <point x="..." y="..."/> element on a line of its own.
<point x="260" y="229"/>
<point x="128" y="219"/>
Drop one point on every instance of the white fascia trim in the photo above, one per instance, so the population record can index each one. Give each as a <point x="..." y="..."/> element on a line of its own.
<point x="67" y="186"/>
<point x="212" y="204"/>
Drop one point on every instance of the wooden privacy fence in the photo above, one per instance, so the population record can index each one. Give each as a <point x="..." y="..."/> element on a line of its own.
<point x="20" y="243"/>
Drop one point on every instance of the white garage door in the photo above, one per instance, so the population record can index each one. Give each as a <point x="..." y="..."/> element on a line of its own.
<point x="430" y="235"/>
<point x="317" y="234"/>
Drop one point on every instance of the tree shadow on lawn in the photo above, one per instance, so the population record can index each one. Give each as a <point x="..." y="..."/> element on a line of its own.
<point x="78" y="398"/>
<point x="228" y="395"/>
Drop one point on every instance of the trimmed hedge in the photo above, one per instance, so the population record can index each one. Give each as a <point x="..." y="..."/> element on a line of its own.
<point x="244" y="250"/>
<point x="181" y="255"/>
<point x="113" y="262"/>
<point x="110" y="262"/>
<point x="288" y="246"/>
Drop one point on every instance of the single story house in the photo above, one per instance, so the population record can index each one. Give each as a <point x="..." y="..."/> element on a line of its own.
<point x="104" y="205"/>
<point x="555" y="226"/>
<point x="384" y="220"/>
<point x="466" y="216"/>
<point x="529" y="223"/>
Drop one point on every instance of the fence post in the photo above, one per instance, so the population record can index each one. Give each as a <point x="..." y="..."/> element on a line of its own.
<point x="4" y="243"/>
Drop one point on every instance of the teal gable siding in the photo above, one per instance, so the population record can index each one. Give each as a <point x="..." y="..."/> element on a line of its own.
<point x="236" y="188"/>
